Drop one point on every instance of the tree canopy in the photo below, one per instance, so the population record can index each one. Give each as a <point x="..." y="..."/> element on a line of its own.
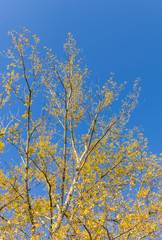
<point x="70" y="167"/>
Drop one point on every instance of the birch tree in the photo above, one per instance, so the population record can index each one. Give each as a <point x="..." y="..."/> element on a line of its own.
<point x="70" y="167"/>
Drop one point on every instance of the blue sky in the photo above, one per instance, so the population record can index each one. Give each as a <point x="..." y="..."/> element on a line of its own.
<point x="120" y="36"/>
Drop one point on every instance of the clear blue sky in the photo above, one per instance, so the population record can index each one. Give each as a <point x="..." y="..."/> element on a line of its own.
<point x="120" y="36"/>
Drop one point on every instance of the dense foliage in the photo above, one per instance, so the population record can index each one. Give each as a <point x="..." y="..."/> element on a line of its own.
<point x="70" y="169"/>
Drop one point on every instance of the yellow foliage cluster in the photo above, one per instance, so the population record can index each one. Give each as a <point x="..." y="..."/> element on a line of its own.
<point x="71" y="169"/>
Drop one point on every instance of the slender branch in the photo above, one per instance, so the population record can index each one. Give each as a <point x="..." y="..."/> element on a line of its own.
<point x="64" y="152"/>
<point x="27" y="148"/>
<point x="73" y="142"/>
<point x="50" y="196"/>
<point x="86" y="228"/>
